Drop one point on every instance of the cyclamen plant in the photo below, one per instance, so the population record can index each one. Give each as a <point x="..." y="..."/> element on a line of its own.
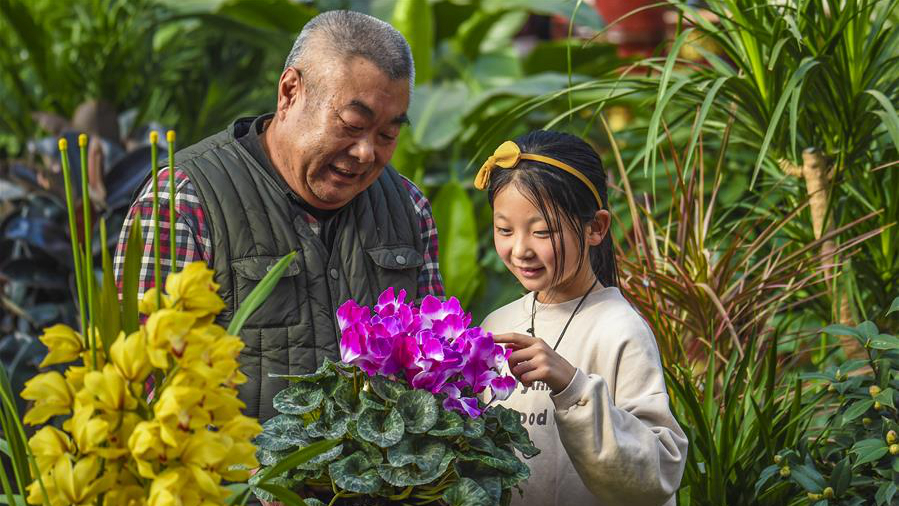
<point x="430" y="346"/>
<point x="381" y="407"/>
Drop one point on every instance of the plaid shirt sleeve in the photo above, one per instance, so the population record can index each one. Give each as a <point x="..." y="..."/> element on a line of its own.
<point x="429" y="280"/>
<point x="192" y="241"/>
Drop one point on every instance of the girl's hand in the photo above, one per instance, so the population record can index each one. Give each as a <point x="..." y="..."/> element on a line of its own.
<point x="533" y="360"/>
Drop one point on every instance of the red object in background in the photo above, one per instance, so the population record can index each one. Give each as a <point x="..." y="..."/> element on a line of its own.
<point x="638" y="34"/>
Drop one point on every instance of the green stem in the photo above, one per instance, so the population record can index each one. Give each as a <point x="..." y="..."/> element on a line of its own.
<point x="88" y="248"/>
<point x="76" y="252"/>
<point x="154" y="162"/>
<point x="170" y="138"/>
<point x="334" y="499"/>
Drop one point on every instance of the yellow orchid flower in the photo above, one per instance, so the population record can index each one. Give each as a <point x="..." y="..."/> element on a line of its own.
<point x="167" y="330"/>
<point x="64" y="344"/>
<point x="79" y="484"/>
<point x="240" y="459"/>
<point x="146" y="447"/>
<point x="222" y="403"/>
<point x="51" y="395"/>
<point x="36" y="493"/>
<point x="88" y="431"/>
<point x="178" y="410"/>
<point x="127" y="491"/>
<point x="129" y="355"/>
<point x="175" y="487"/>
<point x="147" y="304"/>
<point x="212" y="355"/>
<point x="49" y="445"/>
<point x="194" y="291"/>
<point x="204" y="450"/>
<point x="109" y="389"/>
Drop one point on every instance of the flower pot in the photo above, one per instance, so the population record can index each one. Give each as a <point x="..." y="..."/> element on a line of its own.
<point x="637" y="34"/>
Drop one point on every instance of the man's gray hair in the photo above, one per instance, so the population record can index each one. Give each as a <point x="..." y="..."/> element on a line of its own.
<point x="350" y="33"/>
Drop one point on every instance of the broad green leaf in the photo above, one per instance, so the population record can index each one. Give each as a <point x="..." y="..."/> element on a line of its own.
<point x="415" y="20"/>
<point x="466" y="492"/>
<point x="419" y="410"/>
<point x="808" y="478"/>
<point x="885" y="493"/>
<point x="383" y="428"/>
<point x="448" y="423"/>
<point x="857" y="409"/>
<point x="346" y="398"/>
<point x="371" y="401"/>
<point x="282" y="432"/>
<point x="841" y="330"/>
<point x="894" y="306"/>
<point x="268" y="457"/>
<point x="455" y="217"/>
<point x="885" y="397"/>
<point x="356" y="473"/>
<point x="499" y="459"/>
<point x="765" y="475"/>
<point x="259" y="294"/>
<point x="298" y="398"/>
<point x="386" y="388"/>
<point x="330" y="425"/>
<point x="411" y="474"/>
<point x="473" y="427"/>
<point x="134" y="251"/>
<point x="885" y="342"/>
<point x="426" y="452"/>
<point x="841" y="476"/>
<point x="436" y="113"/>
<point x="869" y="450"/>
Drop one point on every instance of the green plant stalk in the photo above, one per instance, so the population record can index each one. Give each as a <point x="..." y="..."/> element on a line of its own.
<point x="157" y="268"/>
<point x="76" y="252"/>
<point x="170" y="139"/>
<point x="12" y="428"/>
<point x="88" y="243"/>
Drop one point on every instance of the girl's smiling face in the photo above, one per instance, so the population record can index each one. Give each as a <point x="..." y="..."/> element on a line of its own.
<point x="524" y="241"/>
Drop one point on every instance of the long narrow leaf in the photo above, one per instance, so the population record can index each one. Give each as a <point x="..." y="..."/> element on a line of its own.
<point x="260" y="293"/>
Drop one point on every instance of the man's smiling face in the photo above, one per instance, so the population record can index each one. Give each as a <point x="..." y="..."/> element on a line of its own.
<point x="338" y="129"/>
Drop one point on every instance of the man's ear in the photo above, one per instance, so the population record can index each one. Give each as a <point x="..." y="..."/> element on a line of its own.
<point x="291" y="90"/>
<point x="598" y="227"/>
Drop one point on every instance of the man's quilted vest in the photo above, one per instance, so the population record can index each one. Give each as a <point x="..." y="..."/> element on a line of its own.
<point x="377" y="244"/>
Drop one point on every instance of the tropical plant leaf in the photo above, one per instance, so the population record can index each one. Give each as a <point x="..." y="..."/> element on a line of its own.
<point x="298" y="398"/>
<point x="356" y="473"/>
<point x="419" y="410"/>
<point x="382" y="428"/>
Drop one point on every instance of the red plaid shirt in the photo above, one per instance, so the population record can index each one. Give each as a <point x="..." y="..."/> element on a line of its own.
<point x="192" y="240"/>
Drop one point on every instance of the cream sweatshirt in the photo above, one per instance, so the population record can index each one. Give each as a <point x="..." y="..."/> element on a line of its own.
<point x="609" y="437"/>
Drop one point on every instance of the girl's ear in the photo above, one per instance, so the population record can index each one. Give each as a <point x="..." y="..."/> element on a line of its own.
<point x="598" y="227"/>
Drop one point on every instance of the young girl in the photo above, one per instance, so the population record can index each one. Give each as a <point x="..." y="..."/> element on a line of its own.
<point x="592" y="392"/>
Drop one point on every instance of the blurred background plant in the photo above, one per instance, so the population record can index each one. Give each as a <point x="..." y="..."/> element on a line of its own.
<point x="751" y="149"/>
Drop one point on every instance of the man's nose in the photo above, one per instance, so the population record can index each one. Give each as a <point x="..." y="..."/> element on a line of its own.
<point x="363" y="150"/>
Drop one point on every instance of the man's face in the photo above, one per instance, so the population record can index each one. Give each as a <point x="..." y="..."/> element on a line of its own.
<point x="336" y="141"/>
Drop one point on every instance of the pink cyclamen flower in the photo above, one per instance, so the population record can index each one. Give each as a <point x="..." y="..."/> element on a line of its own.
<point x="431" y="346"/>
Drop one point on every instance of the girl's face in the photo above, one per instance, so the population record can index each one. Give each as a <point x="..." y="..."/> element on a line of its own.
<point x="524" y="241"/>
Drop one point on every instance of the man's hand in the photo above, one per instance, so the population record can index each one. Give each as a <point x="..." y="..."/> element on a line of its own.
<point x="533" y="360"/>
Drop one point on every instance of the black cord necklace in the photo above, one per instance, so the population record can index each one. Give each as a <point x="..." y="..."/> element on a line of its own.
<point x="576" y="308"/>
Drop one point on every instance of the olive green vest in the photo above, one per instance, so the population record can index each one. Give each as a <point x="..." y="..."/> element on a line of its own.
<point x="377" y="244"/>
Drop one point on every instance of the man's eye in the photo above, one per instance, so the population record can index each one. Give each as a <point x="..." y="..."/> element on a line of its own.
<point x="352" y="127"/>
<point x="388" y="137"/>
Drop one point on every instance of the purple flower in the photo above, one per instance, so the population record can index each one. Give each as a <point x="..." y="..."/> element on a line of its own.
<point x="431" y="347"/>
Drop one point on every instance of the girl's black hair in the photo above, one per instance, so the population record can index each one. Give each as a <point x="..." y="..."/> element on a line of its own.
<point x="561" y="197"/>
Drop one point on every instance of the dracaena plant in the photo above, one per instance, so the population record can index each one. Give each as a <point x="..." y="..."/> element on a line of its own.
<point x="112" y="441"/>
<point x="405" y="406"/>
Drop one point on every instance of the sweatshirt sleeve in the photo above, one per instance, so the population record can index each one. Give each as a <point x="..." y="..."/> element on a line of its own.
<point x="627" y="449"/>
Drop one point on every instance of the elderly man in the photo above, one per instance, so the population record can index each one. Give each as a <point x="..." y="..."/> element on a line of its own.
<point x="310" y="178"/>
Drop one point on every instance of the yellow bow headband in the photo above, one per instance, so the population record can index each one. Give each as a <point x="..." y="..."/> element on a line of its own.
<point x="507" y="156"/>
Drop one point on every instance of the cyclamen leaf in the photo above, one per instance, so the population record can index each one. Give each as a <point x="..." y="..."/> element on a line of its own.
<point x="282" y="432"/>
<point x="330" y="425"/>
<point x="318" y="461"/>
<point x="356" y="473"/>
<point x="411" y="474"/>
<point x="419" y="410"/>
<point x="473" y="427"/>
<point x="448" y="424"/>
<point x="466" y="492"/>
<point x="387" y="389"/>
<point x="383" y="428"/>
<point x="298" y="399"/>
<point x="424" y="451"/>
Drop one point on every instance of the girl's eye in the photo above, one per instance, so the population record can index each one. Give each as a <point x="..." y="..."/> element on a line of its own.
<point x="503" y="231"/>
<point x="542" y="233"/>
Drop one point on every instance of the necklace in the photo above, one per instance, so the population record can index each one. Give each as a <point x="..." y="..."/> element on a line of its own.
<point x="576" y="308"/>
